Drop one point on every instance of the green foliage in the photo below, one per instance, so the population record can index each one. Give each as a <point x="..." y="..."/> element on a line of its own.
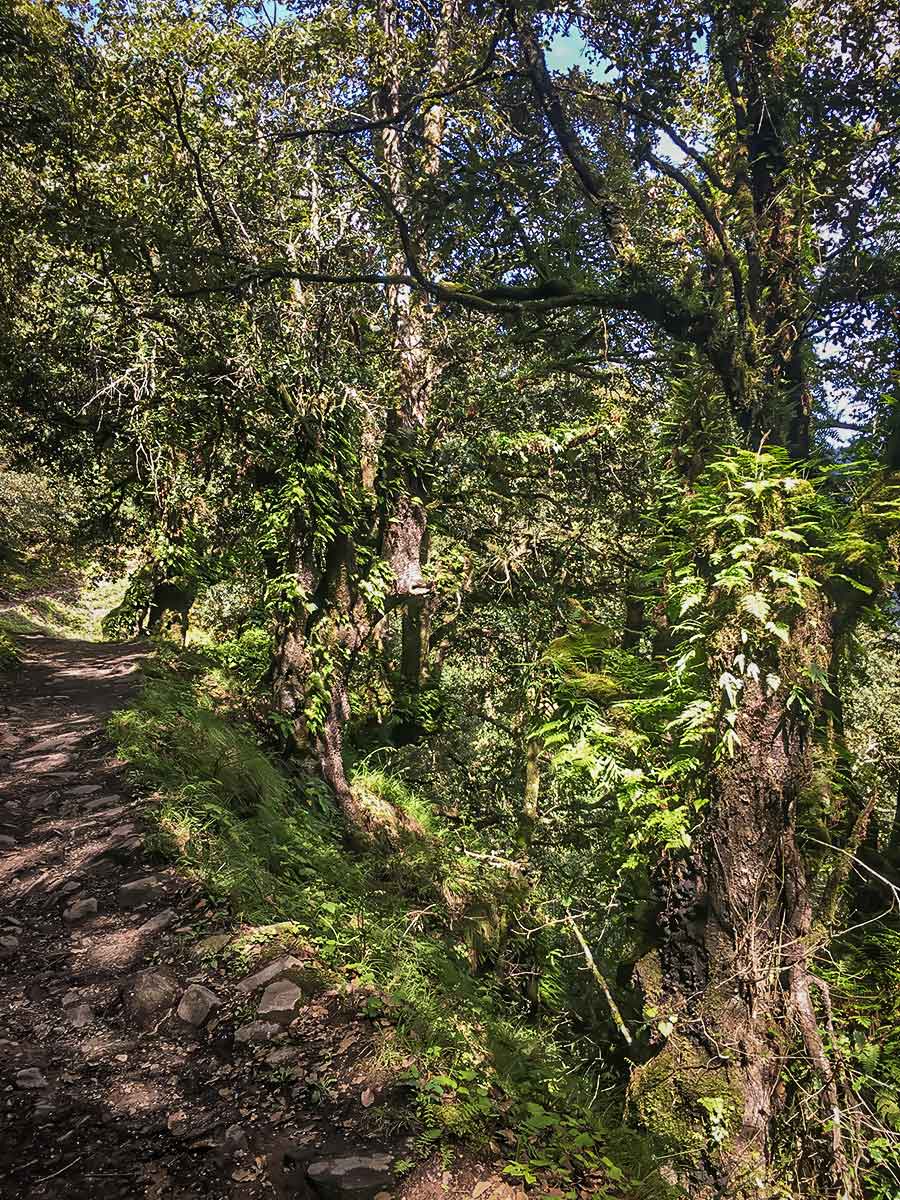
<point x="37" y="511"/>
<point x="10" y="657"/>
<point x="393" y="794"/>
<point x="125" y="620"/>
<point x="202" y="331"/>
<point x="246" y="658"/>
<point x="863" y="976"/>
<point x="259" y="841"/>
<point x="68" y="601"/>
<point x="753" y="548"/>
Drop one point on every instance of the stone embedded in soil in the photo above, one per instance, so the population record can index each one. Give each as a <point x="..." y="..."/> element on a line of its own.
<point x="125" y="851"/>
<point x="196" y="1004"/>
<point x="8" y="946"/>
<point x="7" y="842"/>
<point x="280" y="1002"/>
<point x="258" y="1031"/>
<point x="80" y="1015"/>
<point x="139" y="892"/>
<point x="93" y="805"/>
<point x="106" y="814"/>
<point x="72" y="996"/>
<point x="80" y="909"/>
<point x="286" y="967"/>
<point x="213" y="944"/>
<point x="278" y="1058"/>
<point x="151" y="996"/>
<point x="235" y="1139"/>
<point x="123" y="831"/>
<point x="30" y="1077"/>
<point x="158" y="923"/>
<point x="351" y="1176"/>
<point x="178" y="1124"/>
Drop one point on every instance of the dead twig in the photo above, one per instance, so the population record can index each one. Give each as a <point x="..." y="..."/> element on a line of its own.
<point x="61" y="1169"/>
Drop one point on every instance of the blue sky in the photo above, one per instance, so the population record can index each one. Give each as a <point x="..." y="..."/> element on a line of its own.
<point x="567" y="50"/>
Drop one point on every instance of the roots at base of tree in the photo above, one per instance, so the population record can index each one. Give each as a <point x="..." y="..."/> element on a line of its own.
<point x="716" y="1098"/>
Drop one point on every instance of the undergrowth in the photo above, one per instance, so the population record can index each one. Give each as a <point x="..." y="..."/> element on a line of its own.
<point x="413" y="927"/>
<point x="10" y="658"/>
<point x="863" y="973"/>
<point x="65" y="600"/>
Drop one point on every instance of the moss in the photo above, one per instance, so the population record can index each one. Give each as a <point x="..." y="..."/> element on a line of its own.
<point x="384" y="819"/>
<point x="598" y="684"/>
<point x="690" y="1106"/>
<point x="315" y="978"/>
<point x="648" y="972"/>
<point x="683" y="1101"/>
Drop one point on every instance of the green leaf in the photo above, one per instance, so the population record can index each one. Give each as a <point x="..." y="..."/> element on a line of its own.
<point x="854" y="583"/>
<point x="756" y="605"/>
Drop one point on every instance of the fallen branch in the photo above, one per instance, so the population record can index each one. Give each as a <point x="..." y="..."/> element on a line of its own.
<point x="614" y="1009"/>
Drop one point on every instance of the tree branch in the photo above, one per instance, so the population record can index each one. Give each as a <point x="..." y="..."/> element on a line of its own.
<point x="194" y="156"/>
<point x="592" y="183"/>
<point x="709" y="215"/>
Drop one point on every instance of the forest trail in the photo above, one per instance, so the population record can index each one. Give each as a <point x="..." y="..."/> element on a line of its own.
<point x="125" y="1069"/>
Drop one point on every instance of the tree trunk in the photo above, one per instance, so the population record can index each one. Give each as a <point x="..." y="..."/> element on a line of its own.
<point x="405" y="524"/>
<point x="315" y="653"/>
<point x="730" y="983"/>
<point x="528" y="817"/>
<point x="892" y="850"/>
<point x="169" y="596"/>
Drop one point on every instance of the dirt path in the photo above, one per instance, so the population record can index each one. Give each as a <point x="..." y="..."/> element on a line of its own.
<point x="132" y="1064"/>
<point x="104" y="1090"/>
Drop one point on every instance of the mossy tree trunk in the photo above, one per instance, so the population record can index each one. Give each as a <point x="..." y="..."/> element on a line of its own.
<point x="318" y="640"/>
<point x="730" y="986"/>
<point x="410" y="166"/>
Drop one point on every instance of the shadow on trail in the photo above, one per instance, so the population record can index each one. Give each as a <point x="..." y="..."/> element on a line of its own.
<point x="95" y="1101"/>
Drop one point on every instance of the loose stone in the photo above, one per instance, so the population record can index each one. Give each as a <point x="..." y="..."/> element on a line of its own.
<point x="8" y="946"/>
<point x="258" y="1031"/>
<point x="196" y="1004"/>
<point x="30" y="1077"/>
<point x="80" y="909"/>
<point x="151" y="996"/>
<point x="80" y="1015"/>
<point x="286" y="967"/>
<point x="280" y="1002"/>
<point x="139" y="892"/>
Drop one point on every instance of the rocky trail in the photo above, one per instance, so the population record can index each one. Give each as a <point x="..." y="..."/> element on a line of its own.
<point x="131" y="1063"/>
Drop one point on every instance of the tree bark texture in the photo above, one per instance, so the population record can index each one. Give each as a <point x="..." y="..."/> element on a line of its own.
<point x="731" y="981"/>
